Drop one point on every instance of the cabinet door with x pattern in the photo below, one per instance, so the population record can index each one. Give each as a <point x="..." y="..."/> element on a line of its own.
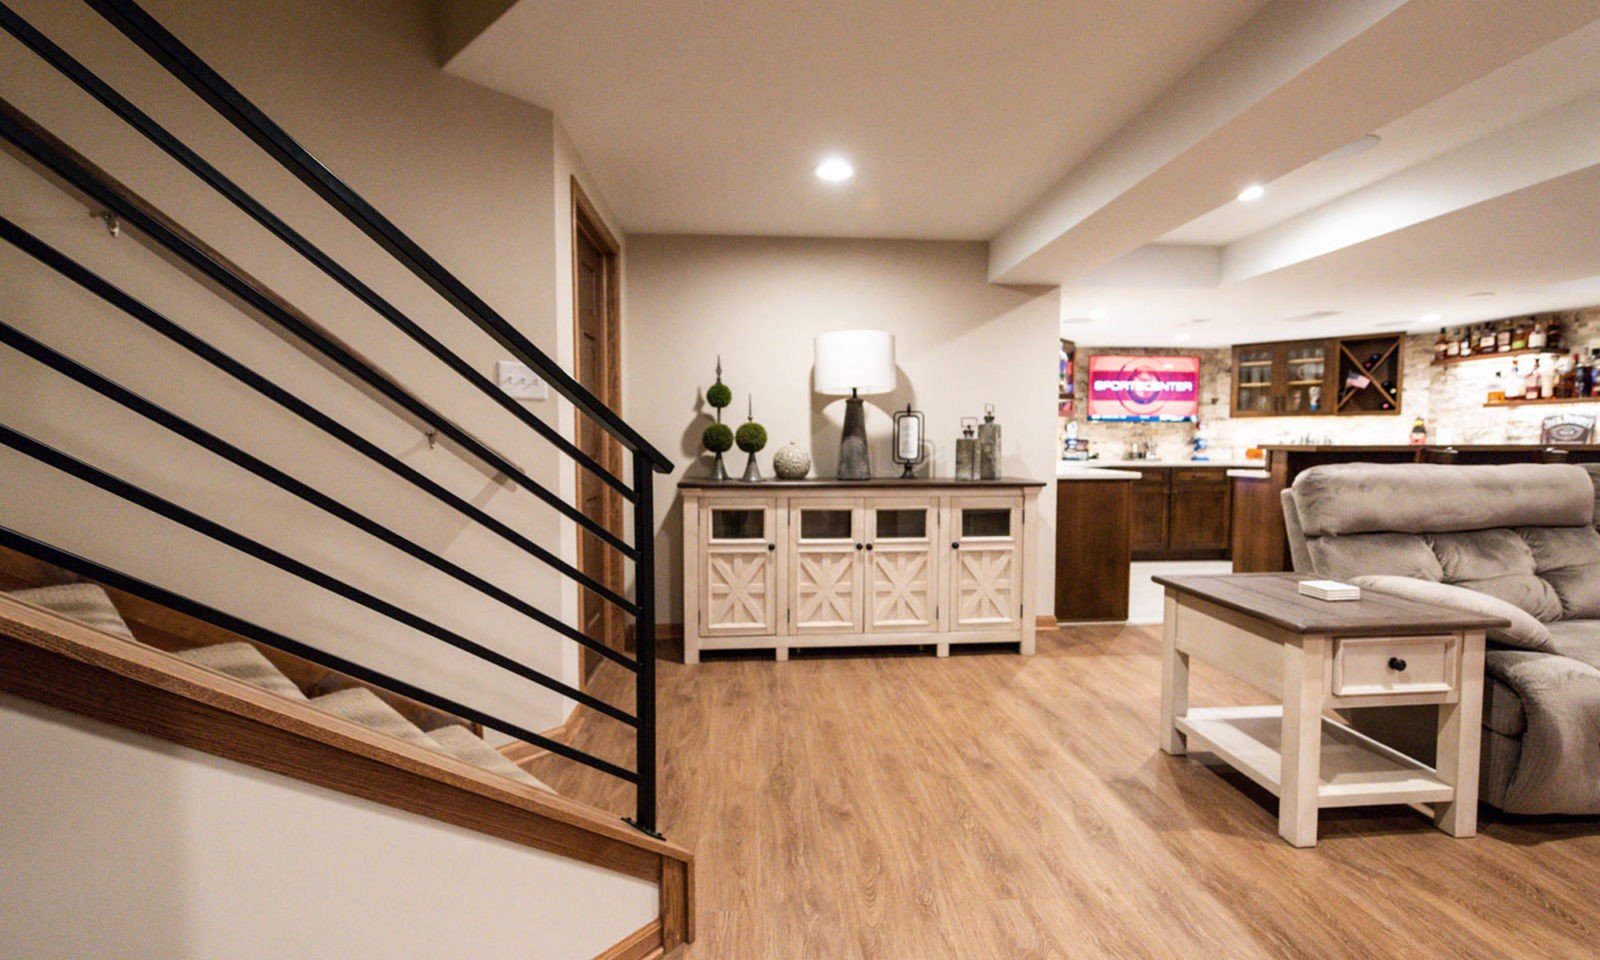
<point x="826" y="541"/>
<point x="739" y="593"/>
<point x="985" y="558"/>
<point x="902" y="568"/>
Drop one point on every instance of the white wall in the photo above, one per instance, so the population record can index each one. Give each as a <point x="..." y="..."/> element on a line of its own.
<point x="473" y="176"/>
<point x="121" y="845"/>
<point x="960" y="342"/>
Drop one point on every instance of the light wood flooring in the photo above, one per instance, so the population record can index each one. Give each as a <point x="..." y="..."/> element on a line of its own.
<point x="994" y="806"/>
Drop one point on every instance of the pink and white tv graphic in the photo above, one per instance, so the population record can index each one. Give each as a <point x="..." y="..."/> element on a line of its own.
<point x="1144" y="388"/>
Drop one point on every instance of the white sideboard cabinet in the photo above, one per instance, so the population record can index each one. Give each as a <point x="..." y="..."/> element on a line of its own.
<point x="819" y="563"/>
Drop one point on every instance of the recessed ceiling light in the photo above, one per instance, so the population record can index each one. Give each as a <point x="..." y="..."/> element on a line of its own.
<point x="1431" y="317"/>
<point x="835" y="169"/>
<point x="1360" y="145"/>
<point x="1252" y="193"/>
<point x="1182" y="338"/>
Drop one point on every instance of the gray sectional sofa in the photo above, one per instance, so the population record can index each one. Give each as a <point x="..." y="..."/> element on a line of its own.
<point x="1518" y="541"/>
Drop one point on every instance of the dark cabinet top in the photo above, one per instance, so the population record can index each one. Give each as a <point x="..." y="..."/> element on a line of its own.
<point x="876" y="483"/>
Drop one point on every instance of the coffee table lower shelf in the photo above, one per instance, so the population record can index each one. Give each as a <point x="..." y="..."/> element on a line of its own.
<point x="1356" y="771"/>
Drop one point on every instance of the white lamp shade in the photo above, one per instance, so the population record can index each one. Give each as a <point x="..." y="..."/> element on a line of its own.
<point x="859" y="360"/>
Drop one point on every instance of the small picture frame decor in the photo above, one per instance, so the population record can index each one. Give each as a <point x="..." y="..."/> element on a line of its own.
<point x="1567" y="428"/>
<point x="909" y="445"/>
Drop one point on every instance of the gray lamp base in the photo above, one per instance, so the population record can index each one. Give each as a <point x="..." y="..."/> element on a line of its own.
<point x="854" y="464"/>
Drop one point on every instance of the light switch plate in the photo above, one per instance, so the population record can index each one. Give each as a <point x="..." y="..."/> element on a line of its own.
<point x="518" y="380"/>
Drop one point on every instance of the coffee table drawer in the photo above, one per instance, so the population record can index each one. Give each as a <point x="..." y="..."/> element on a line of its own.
<point x="1363" y="666"/>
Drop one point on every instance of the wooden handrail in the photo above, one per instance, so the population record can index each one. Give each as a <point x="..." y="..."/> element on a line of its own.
<point x="58" y="661"/>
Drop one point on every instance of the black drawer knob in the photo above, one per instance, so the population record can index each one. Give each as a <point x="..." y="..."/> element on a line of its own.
<point x="955" y="546"/>
<point x="1396" y="664"/>
<point x="772" y="546"/>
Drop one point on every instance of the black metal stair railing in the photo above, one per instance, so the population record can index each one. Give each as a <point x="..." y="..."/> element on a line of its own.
<point x="100" y="189"/>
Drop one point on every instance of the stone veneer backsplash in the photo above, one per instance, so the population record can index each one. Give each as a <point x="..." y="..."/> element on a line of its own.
<point x="1448" y="398"/>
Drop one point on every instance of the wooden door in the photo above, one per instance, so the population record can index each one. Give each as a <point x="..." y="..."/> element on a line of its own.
<point x="597" y="368"/>
<point x="825" y="537"/>
<point x="985" y="556"/>
<point x="738" y="579"/>
<point x="902" y="582"/>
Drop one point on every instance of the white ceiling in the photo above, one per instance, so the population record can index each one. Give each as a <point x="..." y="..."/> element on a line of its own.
<point x="1099" y="144"/>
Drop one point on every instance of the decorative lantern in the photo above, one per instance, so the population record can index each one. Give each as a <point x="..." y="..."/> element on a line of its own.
<point x="967" y="450"/>
<point x="988" y="445"/>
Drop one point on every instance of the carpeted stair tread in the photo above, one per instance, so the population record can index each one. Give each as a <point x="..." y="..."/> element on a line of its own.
<point x="463" y="744"/>
<point x="244" y="662"/>
<point x="364" y="707"/>
<point x="86" y="603"/>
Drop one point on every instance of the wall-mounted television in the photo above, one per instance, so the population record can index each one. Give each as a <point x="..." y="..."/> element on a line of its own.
<point x="1144" y="388"/>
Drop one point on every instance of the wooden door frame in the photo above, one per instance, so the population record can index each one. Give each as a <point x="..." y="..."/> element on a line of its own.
<point x="588" y="224"/>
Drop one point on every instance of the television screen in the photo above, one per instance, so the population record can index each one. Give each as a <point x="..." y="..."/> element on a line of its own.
<point x="1144" y="388"/>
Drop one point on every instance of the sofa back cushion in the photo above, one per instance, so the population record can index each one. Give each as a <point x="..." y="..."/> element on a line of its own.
<point x="1347" y="498"/>
<point x="1568" y="559"/>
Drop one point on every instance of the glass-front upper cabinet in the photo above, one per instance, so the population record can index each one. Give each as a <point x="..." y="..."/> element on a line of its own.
<point x="1289" y="379"/>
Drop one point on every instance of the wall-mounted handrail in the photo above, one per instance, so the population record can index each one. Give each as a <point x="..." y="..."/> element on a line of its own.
<point x="143" y="589"/>
<point x="66" y="366"/>
<point x="122" y="301"/>
<point x="206" y="83"/>
<point x="33" y="140"/>
<point x="71" y="68"/>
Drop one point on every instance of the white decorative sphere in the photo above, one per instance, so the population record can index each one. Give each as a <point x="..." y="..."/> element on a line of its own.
<point x="791" y="462"/>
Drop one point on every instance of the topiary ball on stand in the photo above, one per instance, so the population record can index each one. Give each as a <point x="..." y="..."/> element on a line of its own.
<point x="751" y="438"/>
<point x="719" y="395"/>
<point x="718" y="438"/>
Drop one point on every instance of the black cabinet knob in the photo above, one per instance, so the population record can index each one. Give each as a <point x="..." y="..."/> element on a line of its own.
<point x="956" y="545"/>
<point x="772" y="546"/>
<point x="1396" y="664"/>
<point x="858" y="546"/>
<point x="869" y="547"/>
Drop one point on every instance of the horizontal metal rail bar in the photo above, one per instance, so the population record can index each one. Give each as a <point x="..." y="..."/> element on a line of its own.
<point x="75" y="71"/>
<point x="212" y="443"/>
<point x="106" y="291"/>
<point x="116" y="486"/>
<point x="34" y="141"/>
<point x="39" y="550"/>
<point x="206" y="83"/>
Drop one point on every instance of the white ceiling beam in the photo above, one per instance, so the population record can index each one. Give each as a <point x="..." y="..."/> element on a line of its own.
<point x="1554" y="144"/>
<point x="1302" y="78"/>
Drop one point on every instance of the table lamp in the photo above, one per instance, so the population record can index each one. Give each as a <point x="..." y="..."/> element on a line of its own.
<point x="851" y="363"/>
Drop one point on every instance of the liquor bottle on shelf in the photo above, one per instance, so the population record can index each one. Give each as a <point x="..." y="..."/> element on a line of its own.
<point x="1441" y="346"/>
<point x="1536" y="335"/>
<point x="1497" y="392"/>
<point x="1594" y="372"/>
<point x="1486" y="339"/>
<point x="1516" y="388"/>
<point x="1553" y="338"/>
<point x="1502" y="337"/>
<point x="1466" y="342"/>
<point x="1567" y="382"/>
<point x="1519" y="335"/>
<point x="1449" y="343"/>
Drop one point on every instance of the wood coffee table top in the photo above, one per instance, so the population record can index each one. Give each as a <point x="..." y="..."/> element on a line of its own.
<point x="1275" y="598"/>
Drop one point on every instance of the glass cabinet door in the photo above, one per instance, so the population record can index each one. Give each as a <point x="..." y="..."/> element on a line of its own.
<point x="1254" y="381"/>
<point x="1305" y="383"/>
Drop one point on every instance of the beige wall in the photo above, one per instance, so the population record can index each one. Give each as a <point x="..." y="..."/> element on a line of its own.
<point x="960" y="342"/>
<point x="121" y="845"/>
<point x="477" y="178"/>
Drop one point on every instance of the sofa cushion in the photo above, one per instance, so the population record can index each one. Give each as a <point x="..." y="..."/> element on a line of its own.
<point x="1522" y="630"/>
<point x="1529" y="592"/>
<point x="1481" y="554"/>
<point x="1363" y="554"/>
<point x="1348" y="498"/>
<point x="1578" y="639"/>
<point x="1568" y="558"/>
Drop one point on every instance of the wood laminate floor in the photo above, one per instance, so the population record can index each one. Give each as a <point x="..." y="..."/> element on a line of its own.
<point x="997" y="806"/>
